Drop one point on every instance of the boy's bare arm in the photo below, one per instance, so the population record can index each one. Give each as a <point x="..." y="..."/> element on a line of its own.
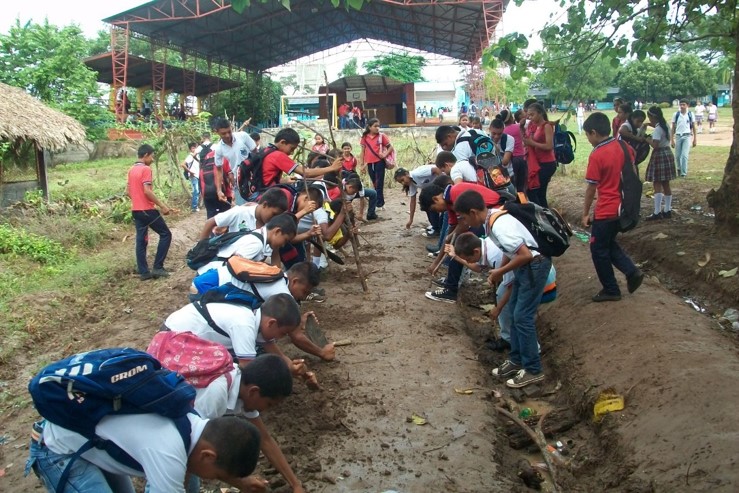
<point x="149" y="193"/>
<point x="301" y="341"/>
<point x="274" y="455"/>
<point x="207" y="229"/>
<point x="449" y="250"/>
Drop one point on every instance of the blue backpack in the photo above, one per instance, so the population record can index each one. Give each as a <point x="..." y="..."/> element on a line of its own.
<point x="78" y="391"/>
<point x="564" y="151"/>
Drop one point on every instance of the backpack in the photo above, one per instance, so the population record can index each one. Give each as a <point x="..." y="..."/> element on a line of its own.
<point x="631" y="191"/>
<point x="487" y="162"/>
<point x="246" y="271"/>
<point x="205" y="251"/>
<point x="250" y="172"/>
<point x="551" y="232"/>
<point x="208" y="176"/>
<point x="563" y="141"/>
<point x="80" y="390"/>
<point x="690" y="119"/>
<point x="197" y="360"/>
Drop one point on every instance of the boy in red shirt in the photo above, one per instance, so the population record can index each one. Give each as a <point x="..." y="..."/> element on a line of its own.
<point x="604" y="176"/>
<point x="145" y="215"/>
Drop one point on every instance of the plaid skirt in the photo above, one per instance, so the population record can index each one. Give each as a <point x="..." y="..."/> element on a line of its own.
<point x="661" y="165"/>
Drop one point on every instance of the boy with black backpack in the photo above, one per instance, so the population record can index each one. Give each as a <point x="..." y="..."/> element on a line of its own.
<point x="246" y="217"/>
<point x="129" y="417"/>
<point x="530" y="270"/>
<point x="608" y="165"/>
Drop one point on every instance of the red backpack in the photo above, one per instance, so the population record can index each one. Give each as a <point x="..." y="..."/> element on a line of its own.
<point x="199" y="361"/>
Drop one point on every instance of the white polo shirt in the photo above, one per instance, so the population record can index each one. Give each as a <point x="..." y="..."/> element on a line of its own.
<point x="463" y="170"/>
<point x="421" y="176"/>
<point x="492" y="258"/>
<point x="218" y="397"/>
<point x="248" y="246"/>
<point x="462" y="150"/>
<point x="239" y="218"/>
<point x="682" y="123"/>
<point x="239" y="149"/>
<point x="306" y="222"/>
<point x="509" y="235"/>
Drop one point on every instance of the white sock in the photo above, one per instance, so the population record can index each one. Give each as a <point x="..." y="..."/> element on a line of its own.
<point x="322" y="263"/>
<point x="668" y="203"/>
<point x="658" y="203"/>
<point x="317" y="261"/>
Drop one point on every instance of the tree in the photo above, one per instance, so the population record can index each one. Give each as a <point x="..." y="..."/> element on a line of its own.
<point x="350" y="68"/>
<point x="615" y="29"/>
<point x="399" y="66"/>
<point x="646" y="80"/>
<point x="258" y="98"/>
<point x="46" y="61"/>
<point x="504" y="88"/>
<point x="690" y="76"/>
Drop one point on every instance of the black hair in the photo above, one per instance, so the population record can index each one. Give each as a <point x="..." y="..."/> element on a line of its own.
<point x="618" y="101"/>
<point x="469" y="200"/>
<point x="539" y="109"/>
<point x="205" y="135"/>
<point x="346" y="144"/>
<point x="236" y="443"/>
<point x="443" y="131"/>
<point x="445" y="157"/>
<point x="310" y="161"/>
<point x="270" y="373"/>
<point x="518" y="114"/>
<point x="354" y="180"/>
<point x="190" y="145"/>
<point x="283" y="308"/>
<point x="370" y="122"/>
<point x="331" y="179"/>
<point x="307" y="271"/>
<point x="528" y="103"/>
<point x="633" y="116"/>
<point x="683" y="101"/>
<point x="289" y="135"/>
<point x="442" y="181"/>
<point x="426" y="197"/>
<point x="599" y="123"/>
<point x="625" y="108"/>
<point x="316" y="195"/>
<point x="466" y="243"/>
<point x="504" y="116"/>
<point x="274" y="197"/>
<point x="255" y="136"/>
<point x="145" y="149"/>
<point x="334" y="153"/>
<point x="497" y="123"/>
<point x="220" y="123"/>
<point x="475" y="119"/>
<point x="400" y="172"/>
<point x="656" y="112"/>
<point x="285" y="222"/>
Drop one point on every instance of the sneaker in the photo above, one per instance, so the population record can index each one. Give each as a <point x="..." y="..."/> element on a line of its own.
<point x="157" y="273"/>
<point x="634" y="281"/>
<point x="146" y="276"/>
<point x="507" y="369"/>
<point x="442" y="294"/>
<point x="315" y="297"/>
<point x="667" y="214"/>
<point x="320" y="291"/>
<point x="440" y="281"/>
<point x="523" y="378"/>
<point x="654" y="217"/>
<point x="381" y="208"/>
<point x="431" y="234"/>
<point x="432" y="254"/>
<point x="372" y="217"/>
<point x="498" y="345"/>
<point x="603" y="296"/>
<point x="432" y="248"/>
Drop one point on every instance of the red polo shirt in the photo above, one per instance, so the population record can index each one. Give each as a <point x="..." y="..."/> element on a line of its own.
<point x="452" y="193"/>
<point x="604" y="170"/>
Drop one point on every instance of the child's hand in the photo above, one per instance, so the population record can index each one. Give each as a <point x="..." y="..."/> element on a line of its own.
<point x="449" y="250"/>
<point x="336" y="165"/>
<point x="409" y="224"/>
<point x="315" y="230"/>
<point x="252" y="484"/>
<point x="298" y="367"/>
<point x="328" y="352"/>
<point x="311" y="381"/>
<point x="309" y="207"/>
<point x="493" y="313"/>
<point x="219" y="230"/>
<point x="304" y="318"/>
<point x="586" y="220"/>
<point x="495" y="277"/>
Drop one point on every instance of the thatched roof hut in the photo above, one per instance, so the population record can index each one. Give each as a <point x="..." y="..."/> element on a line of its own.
<point x="26" y="120"/>
<point x="23" y="117"/>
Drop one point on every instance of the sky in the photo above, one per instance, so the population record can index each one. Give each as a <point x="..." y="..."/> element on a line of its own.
<point x="526" y="19"/>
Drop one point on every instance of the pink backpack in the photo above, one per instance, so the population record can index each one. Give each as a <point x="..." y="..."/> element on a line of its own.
<point x="199" y="361"/>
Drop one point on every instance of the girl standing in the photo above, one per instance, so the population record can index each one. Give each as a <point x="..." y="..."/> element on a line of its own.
<point x="661" y="168"/>
<point x="539" y="140"/>
<point x="518" y="161"/>
<point x="375" y="148"/>
<point x="464" y="121"/>
<point x="349" y="162"/>
<point x="320" y="144"/>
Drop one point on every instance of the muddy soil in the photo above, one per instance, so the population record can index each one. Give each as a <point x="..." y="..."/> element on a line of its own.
<point x="678" y="431"/>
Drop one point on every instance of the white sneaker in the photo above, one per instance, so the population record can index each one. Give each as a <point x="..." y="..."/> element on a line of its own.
<point x="323" y="263"/>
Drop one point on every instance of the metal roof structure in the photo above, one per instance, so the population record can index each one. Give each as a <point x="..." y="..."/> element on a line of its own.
<point x="370" y="83"/>
<point x="266" y="35"/>
<point x="175" y="79"/>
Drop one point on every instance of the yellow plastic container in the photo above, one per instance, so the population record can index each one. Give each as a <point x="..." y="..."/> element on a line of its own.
<point x="608" y="401"/>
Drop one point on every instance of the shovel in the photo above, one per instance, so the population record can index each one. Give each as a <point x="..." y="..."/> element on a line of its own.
<point x="331" y="255"/>
<point x="315" y="333"/>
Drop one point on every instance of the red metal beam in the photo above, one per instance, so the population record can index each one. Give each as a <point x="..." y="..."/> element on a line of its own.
<point x="119" y="49"/>
<point x="159" y="75"/>
<point x="166" y="10"/>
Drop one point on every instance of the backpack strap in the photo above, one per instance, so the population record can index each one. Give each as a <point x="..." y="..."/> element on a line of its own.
<point x="494" y="217"/>
<point x="203" y="311"/>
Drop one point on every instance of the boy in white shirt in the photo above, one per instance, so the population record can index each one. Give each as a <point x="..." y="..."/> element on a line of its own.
<point x="247" y="217"/>
<point x="191" y="165"/>
<point x="414" y="180"/>
<point x="530" y="270"/>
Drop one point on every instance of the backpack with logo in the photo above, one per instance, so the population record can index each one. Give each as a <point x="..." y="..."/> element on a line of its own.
<point x="197" y="360"/>
<point x="250" y="172"/>
<point x="631" y="190"/>
<point x="563" y="140"/>
<point x="205" y="251"/>
<point x="551" y="232"/>
<point x="487" y="161"/>
<point x="80" y="390"/>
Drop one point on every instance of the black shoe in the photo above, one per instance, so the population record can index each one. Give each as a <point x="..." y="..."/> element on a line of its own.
<point x="498" y="345"/>
<point x="146" y="276"/>
<point x="372" y="217"/>
<point x="432" y="248"/>
<point x="634" y="281"/>
<point x="667" y="215"/>
<point x="157" y="273"/>
<point x="603" y="296"/>
<point x="440" y="281"/>
<point x="654" y="217"/>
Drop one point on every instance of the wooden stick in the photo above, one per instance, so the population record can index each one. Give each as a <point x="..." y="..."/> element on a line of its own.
<point x="539" y="440"/>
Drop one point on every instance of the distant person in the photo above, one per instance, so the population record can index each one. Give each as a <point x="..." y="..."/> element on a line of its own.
<point x="580" y="113"/>
<point x="712" y="117"/>
<point x="145" y="215"/>
<point x="375" y="149"/>
<point x="257" y="140"/>
<point x="683" y="136"/>
<point x="518" y="160"/>
<point x="191" y="167"/>
<point x="661" y="168"/>
<point x="700" y="113"/>
<point x="616" y="123"/>
<point x="542" y="164"/>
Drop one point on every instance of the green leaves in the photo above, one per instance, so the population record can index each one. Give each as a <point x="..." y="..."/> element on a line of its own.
<point x="399" y="66"/>
<point x="509" y="50"/>
<point x="240" y="5"/>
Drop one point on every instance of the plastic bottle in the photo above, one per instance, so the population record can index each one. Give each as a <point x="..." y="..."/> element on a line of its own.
<point x="557" y="457"/>
<point x="525" y="413"/>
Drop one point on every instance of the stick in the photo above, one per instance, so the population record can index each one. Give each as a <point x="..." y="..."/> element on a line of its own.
<point x="538" y="439"/>
<point x="343" y="342"/>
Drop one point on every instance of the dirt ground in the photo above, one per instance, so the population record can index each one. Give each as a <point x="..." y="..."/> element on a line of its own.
<point x="676" y="368"/>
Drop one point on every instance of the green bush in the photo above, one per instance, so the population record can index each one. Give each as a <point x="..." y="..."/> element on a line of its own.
<point x="20" y="243"/>
<point x="665" y="105"/>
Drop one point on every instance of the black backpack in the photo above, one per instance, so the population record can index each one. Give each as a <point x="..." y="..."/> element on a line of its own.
<point x="564" y="151"/>
<point x="551" y="232"/>
<point x="205" y="251"/>
<point x="631" y="191"/>
<point x="250" y="172"/>
<point x="487" y="162"/>
<point x="208" y="176"/>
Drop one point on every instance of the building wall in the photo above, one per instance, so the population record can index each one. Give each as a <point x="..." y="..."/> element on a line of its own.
<point x="387" y="106"/>
<point x="15" y="191"/>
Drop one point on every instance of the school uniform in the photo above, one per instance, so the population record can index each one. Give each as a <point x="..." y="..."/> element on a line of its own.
<point x="492" y="258"/>
<point x="420" y="177"/>
<point x="463" y="170"/>
<point x="372" y="147"/>
<point x="150" y="439"/>
<point x="274" y="164"/>
<point x="661" y="165"/>
<point x="242" y="145"/>
<point x="145" y="216"/>
<point x="604" y="171"/>
<point x="248" y="246"/>
<point x="683" y="140"/>
<point x="192" y="163"/>
<point x="240" y="218"/>
<point x="222" y="396"/>
<point x="518" y="161"/>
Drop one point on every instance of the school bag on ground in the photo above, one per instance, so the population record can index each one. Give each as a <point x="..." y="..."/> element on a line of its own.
<point x="631" y="191"/>
<point x="551" y="232"/>
<point x="250" y="172"/>
<point x="487" y="162"/>
<point x="205" y="251"/>
<point x="564" y="151"/>
<point x="80" y="390"/>
<point x="199" y="361"/>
